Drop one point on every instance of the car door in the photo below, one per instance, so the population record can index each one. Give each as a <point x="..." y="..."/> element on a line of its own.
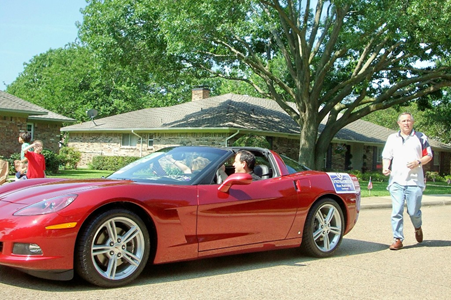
<point x="260" y="212"/>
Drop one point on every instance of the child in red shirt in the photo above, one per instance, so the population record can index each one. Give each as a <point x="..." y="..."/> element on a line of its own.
<point x="36" y="161"/>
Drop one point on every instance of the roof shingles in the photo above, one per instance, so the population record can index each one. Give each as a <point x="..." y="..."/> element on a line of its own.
<point x="11" y="103"/>
<point x="229" y="111"/>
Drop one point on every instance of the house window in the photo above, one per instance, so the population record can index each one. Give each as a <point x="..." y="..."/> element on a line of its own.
<point x="30" y="129"/>
<point x="436" y="159"/>
<point x="150" y="141"/>
<point x="379" y="154"/>
<point x="377" y="158"/>
<point x="129" y="140"/>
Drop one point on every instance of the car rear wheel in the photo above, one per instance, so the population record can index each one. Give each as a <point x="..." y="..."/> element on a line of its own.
<point x="112" y="249"/>
<point x="323" y="230"/>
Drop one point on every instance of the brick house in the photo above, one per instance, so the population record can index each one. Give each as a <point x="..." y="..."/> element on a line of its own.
<point x="18" y="115"/>
<point x="219" y="121"/>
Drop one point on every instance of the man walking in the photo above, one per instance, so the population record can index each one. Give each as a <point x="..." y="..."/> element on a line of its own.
<point x="404" y="154"/>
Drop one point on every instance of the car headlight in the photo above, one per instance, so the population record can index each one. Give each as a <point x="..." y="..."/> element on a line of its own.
<point x="47" y="206"/>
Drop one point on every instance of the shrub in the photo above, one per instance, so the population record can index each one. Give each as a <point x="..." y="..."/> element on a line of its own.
<point x="357" y="174"/>
<point x="69" y="157"/>
<point x="375" y="176"/>
<point x="111" y="163"/>
<point x="10" y="160"/>
<point x="52" y="161"/>
<point x="252" y="141"/>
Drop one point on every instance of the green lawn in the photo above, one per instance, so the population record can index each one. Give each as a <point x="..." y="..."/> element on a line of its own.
<point x="81" y="174"/>
<point x="379" y="188"/>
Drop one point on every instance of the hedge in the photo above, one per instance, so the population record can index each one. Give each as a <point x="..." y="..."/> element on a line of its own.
<point x="111" y="163"/>
<point x="52" y="162"/>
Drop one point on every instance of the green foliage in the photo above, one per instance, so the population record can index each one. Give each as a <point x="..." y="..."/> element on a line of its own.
<point x="356" y="58"/>
<point x="52" y="161"/>
<point x="129" y="46"/>
<point x="252" y="141"/>
<point x="69" y="157"/>
<point x="359" y="57"/>
<point x="386" y="118"/>
<point x="434" y="122"/>
<point x="10" y="160"/>
<point x="375" y="176"/>
<point x="70" y="81"/>
<point x="434" y="176"/>
<point x="112" y="163"/>
<point x="74" y="79"/>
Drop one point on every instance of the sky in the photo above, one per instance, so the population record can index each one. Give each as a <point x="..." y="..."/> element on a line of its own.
<point x="32" y="27"/>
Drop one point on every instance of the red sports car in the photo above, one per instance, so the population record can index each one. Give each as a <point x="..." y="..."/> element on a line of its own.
<point x="180" y="203"/>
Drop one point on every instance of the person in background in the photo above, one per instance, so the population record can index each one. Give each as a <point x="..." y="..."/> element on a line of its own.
<point x="404" y="154"/>
<point x="21" y="165"/>
<point x="36" y="161"/>
<point x="244" y="163"/>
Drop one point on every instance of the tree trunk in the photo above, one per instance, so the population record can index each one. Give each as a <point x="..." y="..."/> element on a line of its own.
<point x="322" y="144"/>
<point x="320" y="154"/>
<point x="307" y="144"/>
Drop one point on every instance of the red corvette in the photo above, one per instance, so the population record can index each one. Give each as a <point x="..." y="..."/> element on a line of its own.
<point x="172" y="205"/>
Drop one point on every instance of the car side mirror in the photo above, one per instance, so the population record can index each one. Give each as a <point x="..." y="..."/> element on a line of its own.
<point x="236" y="178"/>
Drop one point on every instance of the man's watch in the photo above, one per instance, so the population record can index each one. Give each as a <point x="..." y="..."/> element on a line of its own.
<point x="419" y="162"/>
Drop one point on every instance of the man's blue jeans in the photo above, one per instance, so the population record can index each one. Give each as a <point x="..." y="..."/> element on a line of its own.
<point x="412" y="196"/>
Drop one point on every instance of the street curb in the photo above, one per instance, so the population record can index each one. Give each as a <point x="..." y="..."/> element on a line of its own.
<point x="387" y="203"/>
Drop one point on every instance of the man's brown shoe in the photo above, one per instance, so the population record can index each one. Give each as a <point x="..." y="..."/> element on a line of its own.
<point x="419" y="234"/>
<point x="397" y="244"/>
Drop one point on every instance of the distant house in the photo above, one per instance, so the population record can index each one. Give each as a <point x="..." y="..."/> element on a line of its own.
<point x="18" y="115"/>
<point x="221" y="120"/>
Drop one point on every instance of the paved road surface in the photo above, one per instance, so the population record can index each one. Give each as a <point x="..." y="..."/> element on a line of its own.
<point x="363" y="268"/>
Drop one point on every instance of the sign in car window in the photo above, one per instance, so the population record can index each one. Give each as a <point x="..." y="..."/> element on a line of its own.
<point x="342" y="182"/>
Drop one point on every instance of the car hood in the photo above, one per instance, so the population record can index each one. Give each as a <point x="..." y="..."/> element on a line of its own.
<point x="32" y="191"/>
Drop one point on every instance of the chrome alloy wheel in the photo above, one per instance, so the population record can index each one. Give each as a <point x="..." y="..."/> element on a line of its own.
<point x="117" y="248"/>
<point x="328" y="228"/>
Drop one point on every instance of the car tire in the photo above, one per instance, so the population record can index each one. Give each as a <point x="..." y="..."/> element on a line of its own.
<point x="323" y="229"/>
<point x="112" y="248"/>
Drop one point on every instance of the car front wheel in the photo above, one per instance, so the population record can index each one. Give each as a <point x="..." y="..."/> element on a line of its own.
<point x="112" y="249"/>
<point x="323" y="229"/>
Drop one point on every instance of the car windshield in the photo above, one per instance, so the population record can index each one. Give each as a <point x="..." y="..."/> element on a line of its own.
<point x="178" y="165"/>
<point x="293" y="166"/>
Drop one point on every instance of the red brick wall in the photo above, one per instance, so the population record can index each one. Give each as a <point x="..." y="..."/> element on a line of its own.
<point x="49" y="134"/>
<point x="11" y="126"/>
<point x="288" y="147"/>
<point x="9" y="134"/>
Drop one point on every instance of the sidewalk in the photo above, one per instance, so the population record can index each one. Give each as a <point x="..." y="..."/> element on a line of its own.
<point x="385" y="202"/>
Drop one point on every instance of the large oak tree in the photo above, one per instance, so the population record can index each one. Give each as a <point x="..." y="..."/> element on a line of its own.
<point x="337" y="61"/>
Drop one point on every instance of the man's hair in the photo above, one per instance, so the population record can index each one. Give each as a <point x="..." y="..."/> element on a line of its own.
<point x="248" y="157"/>
<point x="26" y="136"/>
<point x="404" y="114"/>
